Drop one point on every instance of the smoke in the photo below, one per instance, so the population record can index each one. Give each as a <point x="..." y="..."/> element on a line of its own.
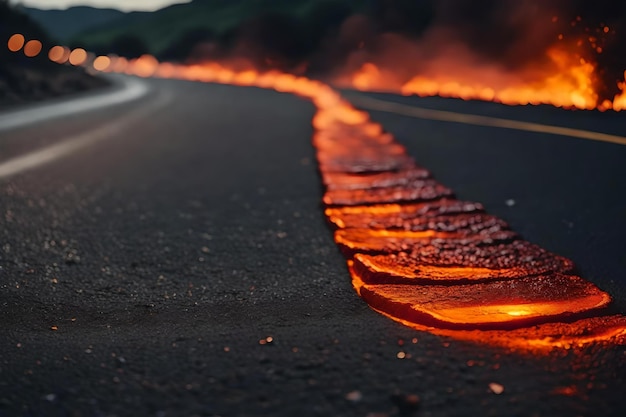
<point x="486" y="43"/>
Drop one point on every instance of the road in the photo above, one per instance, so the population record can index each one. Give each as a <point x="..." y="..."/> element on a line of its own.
<point x="181" y="264"/>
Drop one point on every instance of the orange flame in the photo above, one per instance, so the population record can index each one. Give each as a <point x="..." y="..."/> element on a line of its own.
<point x="563" y="79"/>
<point x="619" y="103"/>
<point x="568" y="82"/>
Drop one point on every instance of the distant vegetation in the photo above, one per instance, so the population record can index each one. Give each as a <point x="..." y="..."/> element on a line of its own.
<point x="160" y="30"/>
<point x="66" y="24"/>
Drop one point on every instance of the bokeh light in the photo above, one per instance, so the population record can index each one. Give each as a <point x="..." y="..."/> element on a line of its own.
<point x="16" y="42"/>
<point x="32" y="48"/>
<point x="78" y="56"/>
<point x="102" y="63"/>
<point x="57" y="53"/>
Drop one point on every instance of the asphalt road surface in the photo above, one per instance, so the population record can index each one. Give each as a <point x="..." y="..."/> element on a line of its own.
<point x="143" y="273"/>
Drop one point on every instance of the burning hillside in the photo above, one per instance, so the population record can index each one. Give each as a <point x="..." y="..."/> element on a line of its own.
<point x="516" y="52"/>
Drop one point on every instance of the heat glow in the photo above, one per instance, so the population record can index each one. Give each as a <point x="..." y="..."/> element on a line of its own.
<point x="563" y="79"/>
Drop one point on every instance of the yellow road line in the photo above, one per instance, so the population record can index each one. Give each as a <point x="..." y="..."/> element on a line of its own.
<point x="472" y="119"/>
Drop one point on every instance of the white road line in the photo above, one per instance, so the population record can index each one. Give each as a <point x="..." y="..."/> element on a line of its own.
<point x="133" y="89"/>
<point x="472" y="119"/>
<point x="51" y="153"/>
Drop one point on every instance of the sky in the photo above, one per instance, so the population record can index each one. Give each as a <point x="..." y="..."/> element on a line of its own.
<point x="126" y="5"/>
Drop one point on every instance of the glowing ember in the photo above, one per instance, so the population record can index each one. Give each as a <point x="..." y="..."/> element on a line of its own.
<point x="343" y="181"/>
<point x="492" y="305"/>
<point x="387" y="215"/>
<point x="354" y="241"/>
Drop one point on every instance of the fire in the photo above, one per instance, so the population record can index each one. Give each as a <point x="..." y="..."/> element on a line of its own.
<point x="620" y="100"/>
<point x="566" y="81"/>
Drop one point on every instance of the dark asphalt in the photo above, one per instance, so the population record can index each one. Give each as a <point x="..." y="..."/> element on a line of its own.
<point x="164" y="255"/>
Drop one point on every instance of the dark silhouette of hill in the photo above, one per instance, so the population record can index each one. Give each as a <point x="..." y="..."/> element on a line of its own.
<point x="64" y="24"/>
<point x="330" y="37"/>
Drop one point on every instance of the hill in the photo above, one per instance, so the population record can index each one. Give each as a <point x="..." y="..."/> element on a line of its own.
<point x="160" y="29"/>
<point x="65" y="24"/>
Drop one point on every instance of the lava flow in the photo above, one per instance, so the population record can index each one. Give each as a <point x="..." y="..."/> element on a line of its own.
<point x="415" y="253"/>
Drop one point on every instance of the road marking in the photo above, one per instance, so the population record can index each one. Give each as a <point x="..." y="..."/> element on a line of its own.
<point x="472" y="119"/>
<point x="132" y="90"/>
<point x="51" y="153"/>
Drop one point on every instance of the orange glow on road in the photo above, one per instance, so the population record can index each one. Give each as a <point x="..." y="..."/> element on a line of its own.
<point x="78" y="57"/>
<point x="32" y="48"/>
<point x="16" y="42"/>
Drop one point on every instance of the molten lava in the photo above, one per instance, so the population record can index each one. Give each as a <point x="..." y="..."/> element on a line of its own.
<point x="415" y="253"/>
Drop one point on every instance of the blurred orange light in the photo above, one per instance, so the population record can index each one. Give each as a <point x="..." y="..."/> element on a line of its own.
<point x="78" y="56"/>
<point x="16" y="42"/>
<point x="145" y="66"/>
<point x="102" y="63"/>
<point x="119" y="64"/>
<point x="56" y="53"/>
<point x="32" y="48"/>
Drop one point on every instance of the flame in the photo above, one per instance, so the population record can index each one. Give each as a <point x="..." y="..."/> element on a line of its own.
<point x="619" y="103"/>
<point x="567" y="81"/>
